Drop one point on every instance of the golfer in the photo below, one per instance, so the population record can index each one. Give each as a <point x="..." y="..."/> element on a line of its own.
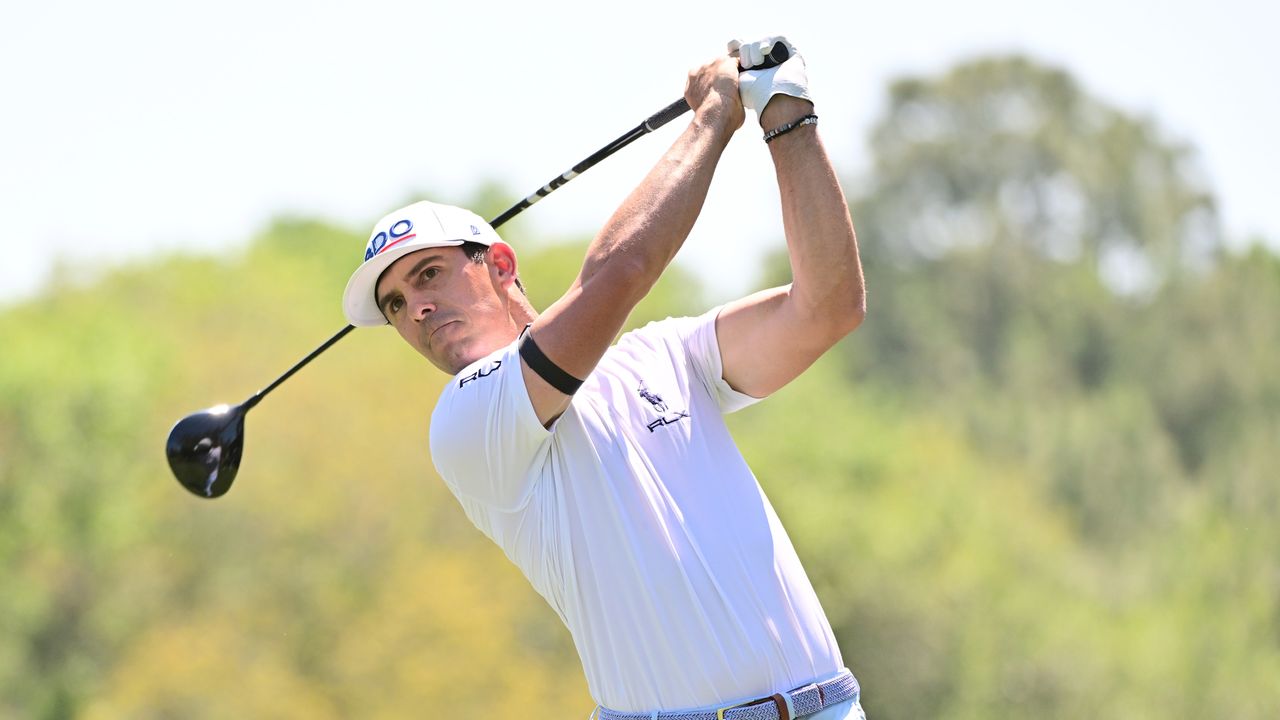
<point x="605" y="471"/>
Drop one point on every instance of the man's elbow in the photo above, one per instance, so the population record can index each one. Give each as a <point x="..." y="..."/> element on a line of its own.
<point x="846" y="308"/>
<point x="834" y="316"/>
<point x="851" y="314"/>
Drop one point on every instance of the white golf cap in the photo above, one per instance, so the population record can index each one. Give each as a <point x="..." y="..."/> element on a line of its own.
<point x="409" y="229"/>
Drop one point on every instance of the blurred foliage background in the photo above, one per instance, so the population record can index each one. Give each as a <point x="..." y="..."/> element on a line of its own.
<point x="1041" y="480"/>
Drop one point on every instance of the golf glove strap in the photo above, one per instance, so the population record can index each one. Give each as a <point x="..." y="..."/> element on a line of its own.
<point x="757" y="86"/>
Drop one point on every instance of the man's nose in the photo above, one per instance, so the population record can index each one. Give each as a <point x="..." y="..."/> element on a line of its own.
<point x="422" y="307"/>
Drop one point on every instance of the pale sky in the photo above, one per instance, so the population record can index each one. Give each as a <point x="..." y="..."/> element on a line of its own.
<point x="141" y="127"/>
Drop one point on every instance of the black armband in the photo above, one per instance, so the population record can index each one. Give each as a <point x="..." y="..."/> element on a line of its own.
<point x="542" y="365"/>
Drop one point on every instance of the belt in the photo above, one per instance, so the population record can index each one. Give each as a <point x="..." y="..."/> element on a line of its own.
<point x="796" y="703"/>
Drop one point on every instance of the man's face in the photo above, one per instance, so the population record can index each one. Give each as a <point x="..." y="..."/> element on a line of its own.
<point x="450" y="309"/>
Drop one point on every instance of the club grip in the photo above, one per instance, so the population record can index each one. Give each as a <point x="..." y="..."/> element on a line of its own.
<point x="666" y="115"/>
<point x="778" y="55"/>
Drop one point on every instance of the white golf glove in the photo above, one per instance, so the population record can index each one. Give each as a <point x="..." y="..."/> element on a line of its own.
<point x="757" y="86"/>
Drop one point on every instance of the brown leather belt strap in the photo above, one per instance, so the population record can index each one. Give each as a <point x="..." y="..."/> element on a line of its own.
<point x="781" y="702"/>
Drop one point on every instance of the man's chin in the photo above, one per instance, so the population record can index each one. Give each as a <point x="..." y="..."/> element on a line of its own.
<point x="460" y="353"/>
<point x="449" y="365"/>
<point x="455" y="360"/>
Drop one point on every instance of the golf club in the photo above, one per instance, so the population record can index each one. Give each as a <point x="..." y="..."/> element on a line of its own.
<point x="205" y="448"/>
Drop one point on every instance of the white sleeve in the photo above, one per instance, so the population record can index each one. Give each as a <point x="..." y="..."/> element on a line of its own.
<point x="703" y="351"/>
<point x="486" y="441"/>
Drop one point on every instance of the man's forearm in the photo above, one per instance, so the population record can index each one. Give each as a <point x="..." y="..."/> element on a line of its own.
<point x="646" y="231"/>
<point x="826" y="271"/>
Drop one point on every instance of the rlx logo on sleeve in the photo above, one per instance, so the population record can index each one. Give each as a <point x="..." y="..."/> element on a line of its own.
<point x="484" y="372"/>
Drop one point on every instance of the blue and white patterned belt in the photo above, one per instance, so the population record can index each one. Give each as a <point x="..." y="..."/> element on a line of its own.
<point x="797" y="703"/>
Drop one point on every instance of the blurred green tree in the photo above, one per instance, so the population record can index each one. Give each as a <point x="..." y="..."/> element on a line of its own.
<point x="1012" y="154"/>
<point x="1039" y="258"/>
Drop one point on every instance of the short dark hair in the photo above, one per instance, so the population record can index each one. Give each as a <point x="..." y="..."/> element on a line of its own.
<point x="475" y="251"/>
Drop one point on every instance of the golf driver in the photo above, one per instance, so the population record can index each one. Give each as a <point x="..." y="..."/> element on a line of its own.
<point x="205" y="448"/>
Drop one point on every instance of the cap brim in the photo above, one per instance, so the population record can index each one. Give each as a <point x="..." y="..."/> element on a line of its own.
<point x="358" y="302"/>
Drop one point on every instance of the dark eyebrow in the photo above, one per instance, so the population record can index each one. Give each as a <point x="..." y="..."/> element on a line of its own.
<point x="433" y="257"/>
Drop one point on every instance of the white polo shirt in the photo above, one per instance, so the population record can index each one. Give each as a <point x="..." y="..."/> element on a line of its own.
<point x="638" y="520"/>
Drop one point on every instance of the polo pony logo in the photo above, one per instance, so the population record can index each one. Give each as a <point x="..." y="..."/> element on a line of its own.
<point x="654" y="399"/>
<point x="660" y="406"/>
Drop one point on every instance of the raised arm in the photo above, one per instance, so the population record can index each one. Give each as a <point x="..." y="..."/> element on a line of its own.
<point x="638" y="242"/>
<point x="767" y="339"/>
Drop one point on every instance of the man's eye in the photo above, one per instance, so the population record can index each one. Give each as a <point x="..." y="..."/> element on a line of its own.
<point x="430" y="272"/>
<point x="395" y="305"/>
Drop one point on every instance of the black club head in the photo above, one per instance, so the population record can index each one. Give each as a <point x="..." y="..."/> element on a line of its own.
<point x="204" y="449"/>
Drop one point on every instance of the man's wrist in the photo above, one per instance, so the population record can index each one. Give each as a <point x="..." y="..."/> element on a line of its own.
<point x="783" y="109"/>
<point x="719" y="118"/>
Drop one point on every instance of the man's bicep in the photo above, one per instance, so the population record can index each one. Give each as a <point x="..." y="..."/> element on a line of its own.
<point x="765" y="342"/>
<point x="571" y="336"/>
<point x="548" y="402"/>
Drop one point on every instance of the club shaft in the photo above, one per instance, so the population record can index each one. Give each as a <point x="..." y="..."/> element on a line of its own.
<point x="653" y="122"/>
<point x="657" y="120"/>
<point x="257" y="397"/>
<point x="777" y="56"/>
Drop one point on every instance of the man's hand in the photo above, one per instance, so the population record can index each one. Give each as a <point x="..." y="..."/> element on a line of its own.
<point x="712" y="92"/>
<point x="757" y="87"/>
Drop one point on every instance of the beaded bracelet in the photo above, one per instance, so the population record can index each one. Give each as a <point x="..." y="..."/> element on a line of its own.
<point x="773" y="134"/>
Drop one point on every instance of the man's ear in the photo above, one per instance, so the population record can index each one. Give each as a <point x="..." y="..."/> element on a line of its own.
<point x="502" y="264"/>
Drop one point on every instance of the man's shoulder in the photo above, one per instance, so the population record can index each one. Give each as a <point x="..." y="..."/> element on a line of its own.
<point x="482" y="368"/>
<point x="683" y="336"/>
<point x="483" y="428"/>
<point x="677" y="328"/>
<point x="469" y="385"/>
